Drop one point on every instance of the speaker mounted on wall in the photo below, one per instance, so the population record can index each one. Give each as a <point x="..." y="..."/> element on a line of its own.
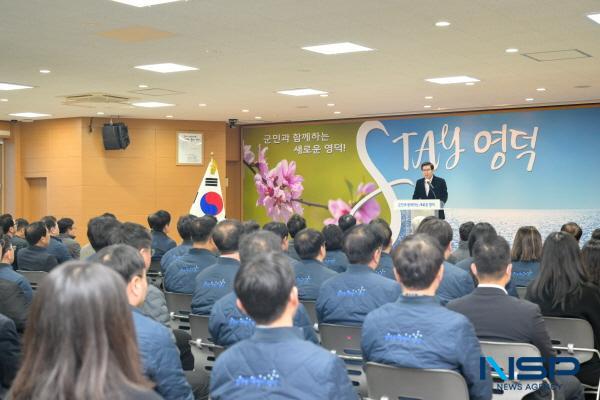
<point x="115" y="136"/>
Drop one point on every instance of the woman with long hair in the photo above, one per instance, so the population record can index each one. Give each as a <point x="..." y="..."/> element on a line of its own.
<point x="80" y="341"/>
<point x="562" y="290"/>
<point x="526" y="254"/>
<point x="590" y="257"/>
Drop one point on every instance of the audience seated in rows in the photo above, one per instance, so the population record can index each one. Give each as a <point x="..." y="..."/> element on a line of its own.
<point x="383" y="232"/>
<point x="82" y="346"/>
<point x="417" y="331"/>
<point x="180" y="275"/>
<point x="295" y="224"/>
<point x="183" y="228"/>
<point x="56" y="246"/>
<point x="277" y="362"/>
<point x="335" y="258"/>
<point x="310" y="271"/>
<point x="35" y="257"/>
<point x="66" y="235"/>
<point x="526" y="254"/>
<point x="573" y="229"/>
<point x="499" y="317"/>
<point x="348" y="297"/>
<point x="462" y="250"/>
<point x="216" y="281"/>
<point x="159" y="223"/>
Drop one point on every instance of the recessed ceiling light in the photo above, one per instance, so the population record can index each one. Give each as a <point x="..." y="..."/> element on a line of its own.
<point x="4" y="100"/>
<point x="30" y="115"/>
<point x="541" y="89"/>
<point x="44" y="71"/>
<point x="301" y="92"/>
<point x="152" y="104"/>
<point x="142" y="86"/>
<point x="442" y="24"/>
<point x="144" y="3"/>
<point x="323" y="95"/>
<point x="512" y="50"/>
<point x="13" y="86"/>
<point x="257" y="117"/>
<point x="99" y="113"/>
<point x="337" y="48"/>
<point x="427" y="106"/>
<point x="594" y="17"/>
<point x="470" y="83"/>
<point x="452" y="79"/>
<point x="168" y="116"/>
<point x="202" y="105"/>
<point x="166" y="68"/>
<point x="337" y="112"/>
<point x="330" y="105"/>
<point x="428" y="97"/>
<point x="529" y="99"/>
<point x="245" y="110"/>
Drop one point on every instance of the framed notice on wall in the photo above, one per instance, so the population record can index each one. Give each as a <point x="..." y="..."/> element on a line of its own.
<point x="190" y="148"/>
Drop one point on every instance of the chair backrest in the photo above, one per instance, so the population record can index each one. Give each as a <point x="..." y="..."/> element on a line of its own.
<point x="199" y="327"/>
<point x="521" y="291"/>
<point x="179" y="303"/>
<point x="34" y="277"/>
<point x="311" y="309"/>
<point x="344" y="340"/>
<point x="385" y="381"/>
<point x="571" y="333"/>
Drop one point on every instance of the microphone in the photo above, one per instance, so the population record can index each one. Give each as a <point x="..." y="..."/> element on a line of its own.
<point x="432" y="188"/>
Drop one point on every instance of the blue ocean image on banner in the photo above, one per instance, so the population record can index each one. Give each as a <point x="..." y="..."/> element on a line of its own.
<point x="508" y="168"/>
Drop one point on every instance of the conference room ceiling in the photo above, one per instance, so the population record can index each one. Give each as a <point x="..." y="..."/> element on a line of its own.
<point x="246" y="51"/>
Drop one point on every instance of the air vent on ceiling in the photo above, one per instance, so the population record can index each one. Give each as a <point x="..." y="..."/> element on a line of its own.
<point x="557" y="55"/>
<point x="155" y="92"/>
<point x="96" y="98"/>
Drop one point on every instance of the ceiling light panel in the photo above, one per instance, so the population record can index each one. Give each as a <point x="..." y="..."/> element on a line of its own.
<point x="166" y="68"/>
<point x="13" y="86"/>
<point x="30" y="115"/>
<point x="152" y="104"/>
<point x="301" y="92"/>
<point x="144" y="3"/>
<point x="452" y="79"/>
<point x="337" y="48"/>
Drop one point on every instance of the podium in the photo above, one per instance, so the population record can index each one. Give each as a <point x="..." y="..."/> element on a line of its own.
<point x="419" y="208"/>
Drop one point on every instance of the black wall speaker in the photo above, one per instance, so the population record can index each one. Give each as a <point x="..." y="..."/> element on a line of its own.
<point x="115" y="136"/>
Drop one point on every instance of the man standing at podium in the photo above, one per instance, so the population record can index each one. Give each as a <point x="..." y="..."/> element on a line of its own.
<point x="431" y="187"/>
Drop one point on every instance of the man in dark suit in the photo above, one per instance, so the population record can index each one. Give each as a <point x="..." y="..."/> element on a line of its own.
<point x="499" y="317"/>
<point x="431" y="187"/>
<point x="36" y="257"/>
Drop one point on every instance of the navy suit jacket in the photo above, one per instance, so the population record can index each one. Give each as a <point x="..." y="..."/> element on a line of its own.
<point x="440" y="191"/>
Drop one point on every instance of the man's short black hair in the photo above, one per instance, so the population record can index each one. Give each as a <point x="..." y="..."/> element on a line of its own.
<point x="360" y="243"/>
<point x="438" y="229"/>
<point x="21" y="223"/>
<point x="278" y="228"/>
<point x="135" y="235"/>
<point x="110" y="215"/>
<point x="257" y="243"/>
<point x="201" y="229"/>
<point x="6" y="222"/>
<point x="573" y="229"/>
<point x="122" y="258"/>
<point x="159" y="220"/>
<point x="49" y="221"/>
<point x="250" y="226"/>
<point x="427" y="163"/>
<point x="183" y="226"/>
<point x="346" y="222"/>
<point x="99" y="231"/>
<point x="417" y="260"/>
<point x="596" y="234"/>
<point x="226" y="235"/>
<point x="491" y="255"/>
<point x="382" y="230"/>
<point x="263" y="286"/>
<point x="64" y="224"/>
<point x="5" y="244"/>
<point x="308" y="243"/>
<point x="334" y="237"/>
<point x="480" y="231"/>
<point x="34" y="232"/>
<point x="465" y="230"/>
<point x="295" y="224"/>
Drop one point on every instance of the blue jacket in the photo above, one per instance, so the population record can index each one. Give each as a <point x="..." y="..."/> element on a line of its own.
<point x="7" y="273"/>
<point x="276" y="364"/>
<point x="310" y="275"/>
<point x="336" y="260"/>
<point x="160" y="358"/>
<point x="213" y="283"/>
<point x="386" y="266"/>
<point x="523" y="272"/>
<point x="418" y="332"/>
<point x="228" y="324"/>
<point x="161" y="243"/>
<point x="174" y="254"/>
<point x="57" y="248"/>
<point x="180" y="276"/>
<point x="455" y="283"/>
<point x="347" y="298"/>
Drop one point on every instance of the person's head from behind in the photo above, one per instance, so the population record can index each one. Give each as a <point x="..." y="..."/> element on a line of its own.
<point x="480" y="231"/>
<point x="346" y="222"/>
<point x="266" y="291"/>
<point x="201" y="232"/>
<point x="596" y="234"/>
<point x="37" y="234"/>
<point x="20" y="225"/>
<point x="281" y="230"/>
<point x="464" y="230"/>
<point x="129" y="264"/>
<point x="250" y="226"/>
<point x="159" y="221"/>
<point x="65" y="226"/>
<point x="440" y="230"/>
<point x="416" y="222"/>
<point x="257" y="243"/>
<point x="80" y="341"/>
<point x="590" y="257"/>
<point x="382" y="229"/>
<point x="573" y="229"/>
<point x="51" y="224"/>
<point x="136" y="236"/>
<point x="226" y="235"/>
<point x="527" y="245"/>
<point x="362" y="246"/>
<point x="183" y="227"/>
<point x="418" y="263"/>
<point x="310" y="245"/>
<point x="334" y="237"/>
<point x="7" y="224"/>
<point x="561" y="271"/>
<point x="99" y="231"/>
<point x="7" y="250"/>
<point x="427" y="170"/>
<point x="295" y="224"/>
<point x="491" y="260"/>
